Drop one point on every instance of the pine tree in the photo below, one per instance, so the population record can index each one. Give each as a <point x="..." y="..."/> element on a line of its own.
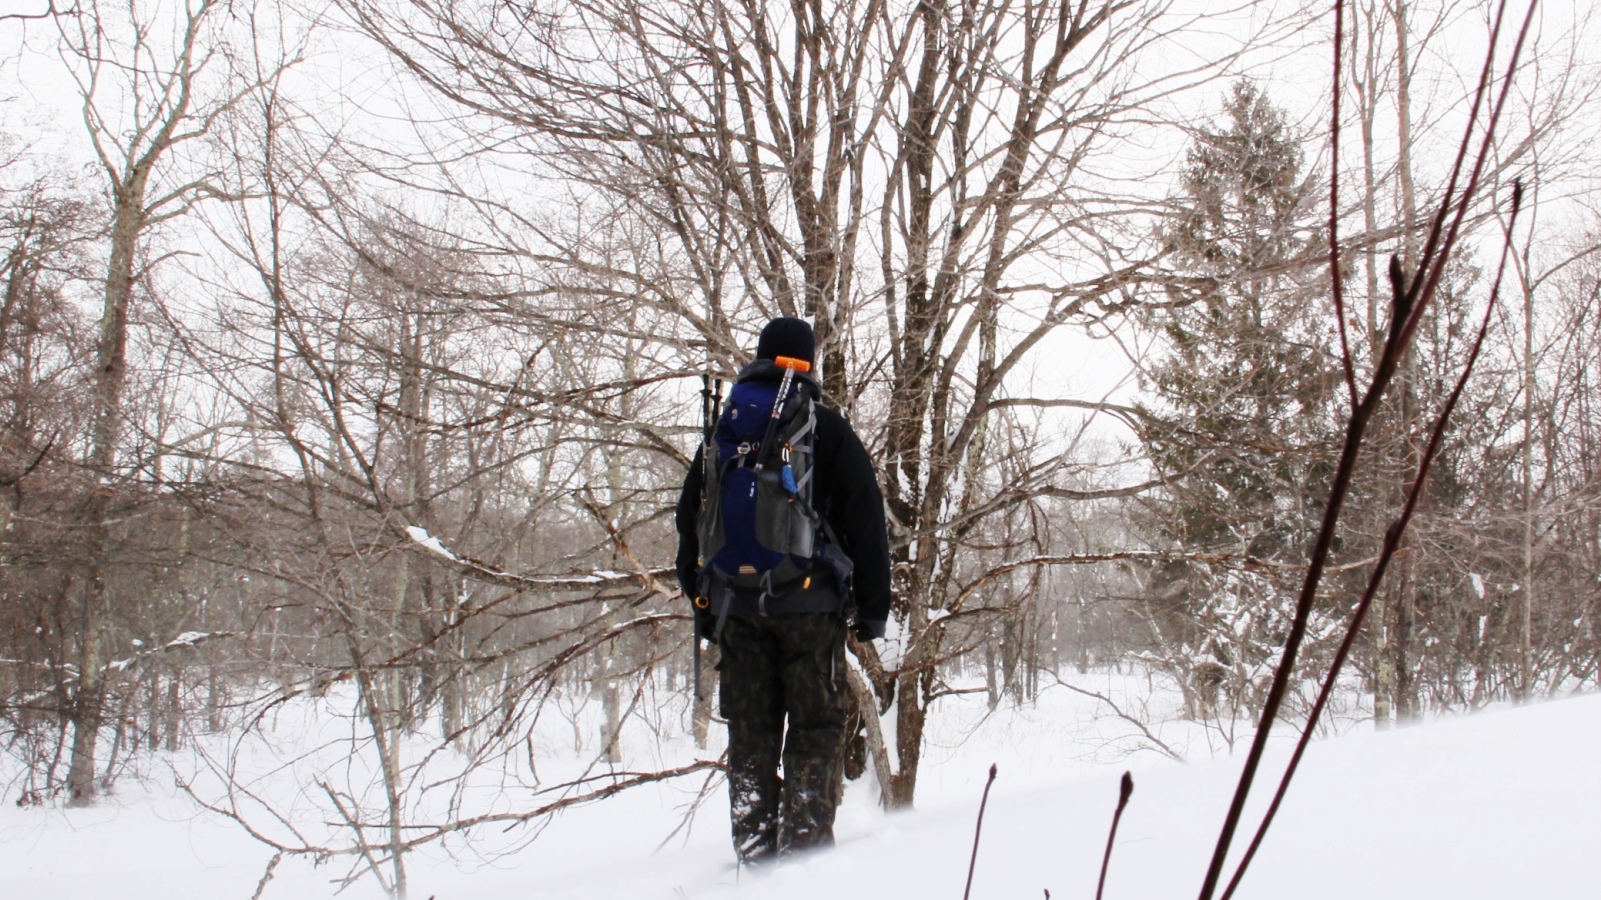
<point x="1239" y="419"/>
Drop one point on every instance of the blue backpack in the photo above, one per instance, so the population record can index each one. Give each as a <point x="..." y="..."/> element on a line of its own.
<point x="759" y="529"/>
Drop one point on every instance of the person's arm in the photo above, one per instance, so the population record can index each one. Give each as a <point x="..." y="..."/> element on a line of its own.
<point x="857" y="515"/>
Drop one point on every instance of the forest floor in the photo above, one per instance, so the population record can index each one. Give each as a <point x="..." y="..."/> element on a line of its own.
<point x="1502" y="803"/>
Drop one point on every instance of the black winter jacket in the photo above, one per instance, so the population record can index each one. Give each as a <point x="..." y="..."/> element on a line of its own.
<point x="847" y="495"/>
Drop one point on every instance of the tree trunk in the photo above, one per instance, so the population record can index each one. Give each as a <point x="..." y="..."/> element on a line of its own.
<point x="1383" y="670"/>
<point x="88" y="703"/>
<point x="1407" y="572"/>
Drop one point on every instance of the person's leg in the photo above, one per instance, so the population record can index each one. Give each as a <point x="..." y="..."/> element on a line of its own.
<point x="814" y="684"/>
<point x="751" y="698"/>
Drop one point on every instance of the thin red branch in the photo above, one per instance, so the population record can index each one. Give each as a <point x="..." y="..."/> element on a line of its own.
<point x="1125" y="791"/>
<point x="1392" y="541"/>
<point x="1410" y="300"/>
<point x="978" y="830"/>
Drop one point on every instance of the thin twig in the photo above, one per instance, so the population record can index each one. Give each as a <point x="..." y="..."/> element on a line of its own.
<point x="267" y="875"/>
<point x="50" y="12"/>
<point x="693" y="807"/>
<point x="979" y="829"/>
<point x="1156" y="742"/>
<point x="1347" y="363"/>
<point x="1124" y="791"/>
<point x="1410" y="301"/>
<point x="1392" y="540"/>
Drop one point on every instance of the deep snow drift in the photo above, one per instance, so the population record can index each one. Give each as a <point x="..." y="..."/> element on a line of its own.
<point x="1505" y="803"/>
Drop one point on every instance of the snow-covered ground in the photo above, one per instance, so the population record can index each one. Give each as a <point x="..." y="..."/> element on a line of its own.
<point x="1505" y="803"/>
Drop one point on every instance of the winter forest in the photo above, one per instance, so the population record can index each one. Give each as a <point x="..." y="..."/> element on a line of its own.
<point x="352" y="355"/>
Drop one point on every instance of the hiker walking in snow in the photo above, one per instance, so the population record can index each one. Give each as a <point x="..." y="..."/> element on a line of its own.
<point x="782" y="546"/>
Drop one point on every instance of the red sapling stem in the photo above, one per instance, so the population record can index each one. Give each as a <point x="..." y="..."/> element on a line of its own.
<point x="1124" y="791"/>
<point x="973" y="863"/>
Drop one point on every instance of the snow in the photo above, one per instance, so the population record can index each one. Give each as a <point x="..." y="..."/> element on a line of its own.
<point x="187" y="639"/>
<point x="1497" y="804"/>
<point x="421" y="536"/>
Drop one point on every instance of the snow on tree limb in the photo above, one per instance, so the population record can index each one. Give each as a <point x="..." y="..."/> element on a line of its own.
<point x="599" y="579"/>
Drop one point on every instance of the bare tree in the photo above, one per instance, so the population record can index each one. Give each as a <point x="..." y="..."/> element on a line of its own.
<point x="152" y="81"/>
<point x="919" y="179"/>
<point x="45" y="236"/>
<point x="1395" y="46"/>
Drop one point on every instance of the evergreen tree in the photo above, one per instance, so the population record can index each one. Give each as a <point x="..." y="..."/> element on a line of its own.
<point x="1239" y="418"/>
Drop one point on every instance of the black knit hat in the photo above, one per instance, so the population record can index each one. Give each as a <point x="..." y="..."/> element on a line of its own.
<point x="787" y="336"/>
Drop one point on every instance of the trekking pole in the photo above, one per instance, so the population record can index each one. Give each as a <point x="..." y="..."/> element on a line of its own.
<point x="705" y="407"/>
<point x="710" y="408"/>
<point x="717" y="403"/>
<point x="711" y="392"/>
<point x="790" y="365"/>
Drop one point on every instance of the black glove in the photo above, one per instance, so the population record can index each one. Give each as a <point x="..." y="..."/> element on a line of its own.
<point x="869" y="629"/>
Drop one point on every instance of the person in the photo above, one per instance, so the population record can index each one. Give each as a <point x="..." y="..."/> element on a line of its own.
<point x="782" y="660"/>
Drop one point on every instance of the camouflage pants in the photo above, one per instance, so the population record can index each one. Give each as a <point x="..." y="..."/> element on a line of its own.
<point x="775" y="668"/>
